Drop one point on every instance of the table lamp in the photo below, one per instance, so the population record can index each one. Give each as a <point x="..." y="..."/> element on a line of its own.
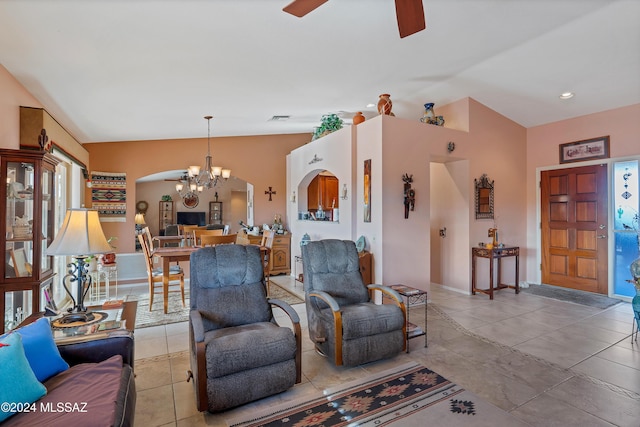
<point x="139" y="221"/>
<point x="81" y="235"/>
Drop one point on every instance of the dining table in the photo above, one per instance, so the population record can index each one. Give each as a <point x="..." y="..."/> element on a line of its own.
<point x="169" y="255"/>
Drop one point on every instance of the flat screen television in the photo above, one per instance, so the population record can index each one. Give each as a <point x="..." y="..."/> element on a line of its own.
<point x="192" y="218"/>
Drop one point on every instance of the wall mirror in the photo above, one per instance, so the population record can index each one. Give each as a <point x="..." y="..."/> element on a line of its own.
<point x="484" y="197"/>
<point x="319" y="196"/>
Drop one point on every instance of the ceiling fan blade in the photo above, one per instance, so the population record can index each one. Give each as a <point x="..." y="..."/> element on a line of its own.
<point x="300" y="8"/>
<point x="410" y="15"/>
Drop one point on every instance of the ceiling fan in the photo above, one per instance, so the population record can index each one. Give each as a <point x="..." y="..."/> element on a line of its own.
<point x="409" y="13"/>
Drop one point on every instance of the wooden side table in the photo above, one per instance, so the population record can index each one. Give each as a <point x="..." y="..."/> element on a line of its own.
<point x="413" y="297"/>
<point x="495" y="254"/>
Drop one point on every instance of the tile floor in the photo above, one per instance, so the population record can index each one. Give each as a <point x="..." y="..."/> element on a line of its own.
<point x="547" y="362"/>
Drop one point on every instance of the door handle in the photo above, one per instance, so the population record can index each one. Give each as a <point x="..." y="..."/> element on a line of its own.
<point x="602" y="226"/>
<point x="602" y="236"/>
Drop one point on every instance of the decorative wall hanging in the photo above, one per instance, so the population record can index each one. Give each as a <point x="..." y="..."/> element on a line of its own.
<point x="484" y="197"/>
<point x="409" y="194"/>
<point x="109" y="195"/>
<point x="588" y="149"/>
<point x="190" y="200"/>
<point x="270" y="192"/>
<point x="367" y="190"/>
<point x="315" y="159"/>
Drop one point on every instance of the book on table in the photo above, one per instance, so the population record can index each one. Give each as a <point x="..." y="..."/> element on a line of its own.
<point x="405" y="290"/>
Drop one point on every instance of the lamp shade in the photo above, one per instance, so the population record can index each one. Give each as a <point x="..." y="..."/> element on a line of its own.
<point x="139" y="219"/>
<point x="80" y="234"/>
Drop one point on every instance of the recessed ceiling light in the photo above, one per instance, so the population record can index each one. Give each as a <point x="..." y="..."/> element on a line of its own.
<point x="371" y="105"/>
<point x="567" y="95"/>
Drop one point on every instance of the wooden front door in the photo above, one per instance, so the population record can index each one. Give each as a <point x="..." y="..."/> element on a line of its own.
<point x="574" y="228"/>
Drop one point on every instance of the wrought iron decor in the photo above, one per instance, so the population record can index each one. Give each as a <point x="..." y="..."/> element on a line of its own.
<point x="484" y="197"/>
<point x="409" y="194"/>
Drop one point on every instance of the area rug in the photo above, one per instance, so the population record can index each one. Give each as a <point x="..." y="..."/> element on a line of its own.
<point x="408" y="395"/>
<point x="571" y="295"/>
<point x="176" y="313"/>
<point x="277" y="292"/>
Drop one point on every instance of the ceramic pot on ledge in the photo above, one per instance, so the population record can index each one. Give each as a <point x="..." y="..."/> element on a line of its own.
<point x="385" y="104"/>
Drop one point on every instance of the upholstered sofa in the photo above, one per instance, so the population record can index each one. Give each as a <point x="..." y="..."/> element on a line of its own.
<point x="78" y="384"/>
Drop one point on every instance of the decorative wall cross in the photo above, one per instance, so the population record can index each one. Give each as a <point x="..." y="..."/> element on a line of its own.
<point x="270" y="193"/>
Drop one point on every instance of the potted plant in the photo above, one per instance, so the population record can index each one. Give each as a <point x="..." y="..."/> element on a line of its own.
<point x="329" y="123"/>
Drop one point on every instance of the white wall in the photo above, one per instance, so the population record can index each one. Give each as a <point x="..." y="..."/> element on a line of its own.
<point x="334" y="150"/>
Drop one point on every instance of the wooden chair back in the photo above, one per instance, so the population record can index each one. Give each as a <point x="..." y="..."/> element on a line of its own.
<point x="199" y="232"/>
<point x="212" y="240"/>
<point x="267" y="238"/>
<point x="242" y="238"/>
<point x="187" y="232"/>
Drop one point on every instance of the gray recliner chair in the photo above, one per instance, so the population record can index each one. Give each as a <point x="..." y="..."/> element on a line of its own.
<point x="344" y="324"/>
<point x="238" y="352"/>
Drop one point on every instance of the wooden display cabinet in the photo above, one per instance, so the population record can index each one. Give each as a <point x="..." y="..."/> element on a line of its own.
<point x="26" y="231"/>
<point x="215" y="213"/>
<point x="166" y="215"/>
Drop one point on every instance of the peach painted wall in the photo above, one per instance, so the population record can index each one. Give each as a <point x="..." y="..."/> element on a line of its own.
<point x="152" y="192"/>
<point x="13" y="95"/>
<point x="259" y="160"/>
<point x="621" y="124"/>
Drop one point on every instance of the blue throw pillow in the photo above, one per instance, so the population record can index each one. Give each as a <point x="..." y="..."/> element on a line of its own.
<point x="19" y="385"/>
<point x="42" y="352"/>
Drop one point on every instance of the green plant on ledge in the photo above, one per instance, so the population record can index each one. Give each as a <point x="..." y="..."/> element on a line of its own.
<point x="329" y="123"/>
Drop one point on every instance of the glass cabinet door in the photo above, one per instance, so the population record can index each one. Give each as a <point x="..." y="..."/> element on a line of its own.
<point x="47" y="222"/>
<point x="19" y="219"/>
<point x="27" y="229"/>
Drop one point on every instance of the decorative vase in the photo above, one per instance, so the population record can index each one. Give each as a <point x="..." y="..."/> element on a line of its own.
<point x="108" y="258"/>
<point x="385" y="104"/>
<point x="358" y="118"/>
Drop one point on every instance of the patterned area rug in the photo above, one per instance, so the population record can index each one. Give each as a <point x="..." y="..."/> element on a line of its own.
<point x="176" y="313"/>
<point x="409" y="395"/>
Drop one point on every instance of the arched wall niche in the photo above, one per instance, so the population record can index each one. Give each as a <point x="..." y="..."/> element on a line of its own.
<point x="318" y="195"/>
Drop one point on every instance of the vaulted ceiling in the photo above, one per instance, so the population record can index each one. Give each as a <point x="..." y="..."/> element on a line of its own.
<point x="151" y="69"/>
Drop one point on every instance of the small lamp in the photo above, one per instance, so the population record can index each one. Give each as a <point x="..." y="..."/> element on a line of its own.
<point x="139" y="220"/>
<point x="81" y="235"/>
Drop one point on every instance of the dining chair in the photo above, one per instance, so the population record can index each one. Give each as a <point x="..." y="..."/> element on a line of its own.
<point x="199" y="232"/>
<point x="266" y="244"/>
<point x="242" y="239"/>
<point x="187" y="232"/>
<point x="155" y="278"/>
<point x="213" y="240"/>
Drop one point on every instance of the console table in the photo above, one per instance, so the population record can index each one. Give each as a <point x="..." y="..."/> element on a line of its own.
<point x="496" y="253"/>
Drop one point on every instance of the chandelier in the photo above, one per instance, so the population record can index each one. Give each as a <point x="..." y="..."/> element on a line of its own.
<point x="198" y="179"/>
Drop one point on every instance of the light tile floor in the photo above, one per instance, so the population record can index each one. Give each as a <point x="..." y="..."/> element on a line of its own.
<point x="547" y="362"/>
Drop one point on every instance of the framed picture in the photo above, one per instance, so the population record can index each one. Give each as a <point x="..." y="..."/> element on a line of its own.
<point x="588" y="149"/>
<point x="20" y="264"/>
<point x="367" y="190"/>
